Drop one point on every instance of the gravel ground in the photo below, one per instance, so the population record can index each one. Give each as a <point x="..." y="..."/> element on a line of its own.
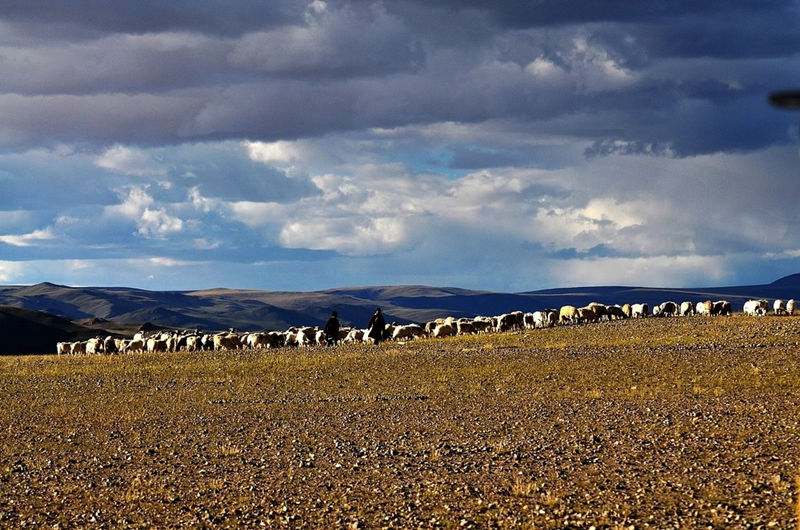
<point x="661" y="423"/>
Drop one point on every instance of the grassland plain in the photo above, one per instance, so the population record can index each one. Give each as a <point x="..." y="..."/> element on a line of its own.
<point x="662" y="423"/>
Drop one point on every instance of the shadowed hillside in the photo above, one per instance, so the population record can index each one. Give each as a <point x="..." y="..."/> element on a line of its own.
<point x="27" y="332"/>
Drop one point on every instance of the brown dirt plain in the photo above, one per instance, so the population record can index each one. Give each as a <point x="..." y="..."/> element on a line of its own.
<point x="656" y="423"/>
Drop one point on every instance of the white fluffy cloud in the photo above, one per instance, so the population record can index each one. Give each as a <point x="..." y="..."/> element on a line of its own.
<point x="380" y="208"/>
<point x="151" y="222"/>
<point x="617" y="214"/>
<point x="158" y="223"/>
<point x="282" y="152"/>
<point x="349" y="236"/>
<point x="29" y="239"/>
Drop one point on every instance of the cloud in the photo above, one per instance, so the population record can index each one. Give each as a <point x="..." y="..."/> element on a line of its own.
<point x="161" y="261"/>
<point x="350" y="236"/>
<point x="432" y="143"/>
<point x="325" y="44"/>
<point x="69" y="21"/>
<point x="596" y="69"/>
<point x="30" y="239"/>
<point x="130" y="161"/>
<point x="133" y="205"/>
<point x="174" y="84"/>
<point x="255" y="214"/>
<point x="150" y="222"/>
<point x="157" y="223"/>
<point x="11" y="218"/>
<point x="10" y="271"/>
<point x="97" y="118"/>
<point x="238" y="171"/>
<point x="598" y="209"/>
<point x="281" y="152"/>
<point x="200" y="203"/>
<point x="116" y="63"/>
<point x="205" y="244"/>
<point x="602" y="208"/>
<point x="545" y="70"/>
<point x="655" y="271"/>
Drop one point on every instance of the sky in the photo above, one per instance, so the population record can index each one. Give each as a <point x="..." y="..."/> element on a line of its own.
<point x="303" y="145"/>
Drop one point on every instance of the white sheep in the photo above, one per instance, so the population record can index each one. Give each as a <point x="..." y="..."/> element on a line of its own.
<point x="567" y="314"/>
<point x="444" y="330"/>
<point x="779" y="307"/>
<point x="408" y="332"/>
<point x="640" y="310"/>
<point x="465" y="327"/>
<point x="615" y="312"/>
<point x="756" y="307"/>
<point x="704" y="308"/>
<point x="355" y="335"/>
<point x="600" y="311"/>
<point x="722" y="307"/>
<point x="668" y="309"/>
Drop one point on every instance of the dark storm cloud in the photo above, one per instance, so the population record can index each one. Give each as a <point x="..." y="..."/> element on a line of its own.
<point x="100" y="119"/>
<point x="85" y="18"/>
<point x="540" y="13"/>
<point x="351" y="41"/>
<point x="153" y="72"/>
<point x="116" y="64"/>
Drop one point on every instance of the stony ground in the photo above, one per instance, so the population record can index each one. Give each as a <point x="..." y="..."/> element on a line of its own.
<point x="661" y="423"/>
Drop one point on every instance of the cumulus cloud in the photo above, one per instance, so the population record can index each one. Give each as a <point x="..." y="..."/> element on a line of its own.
<point x="382" y="208"/>
<point x="349" y="236"/>
<point x="150" y="222"/>
<point x="157" y="223"/>
<point x="200" y="203"/>
<point x="282" y="152"/>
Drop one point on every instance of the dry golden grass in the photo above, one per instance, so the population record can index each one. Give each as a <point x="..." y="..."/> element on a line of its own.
<point x="660" y="423"/>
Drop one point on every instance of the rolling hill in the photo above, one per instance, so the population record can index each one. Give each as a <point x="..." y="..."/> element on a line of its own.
<point x="32" y="332"/>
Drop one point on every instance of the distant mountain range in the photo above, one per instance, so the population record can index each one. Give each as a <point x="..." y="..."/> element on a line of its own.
<point x="87" y="311"/>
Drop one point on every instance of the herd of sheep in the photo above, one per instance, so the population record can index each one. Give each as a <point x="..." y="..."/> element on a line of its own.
<point x="184" y="340"/>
